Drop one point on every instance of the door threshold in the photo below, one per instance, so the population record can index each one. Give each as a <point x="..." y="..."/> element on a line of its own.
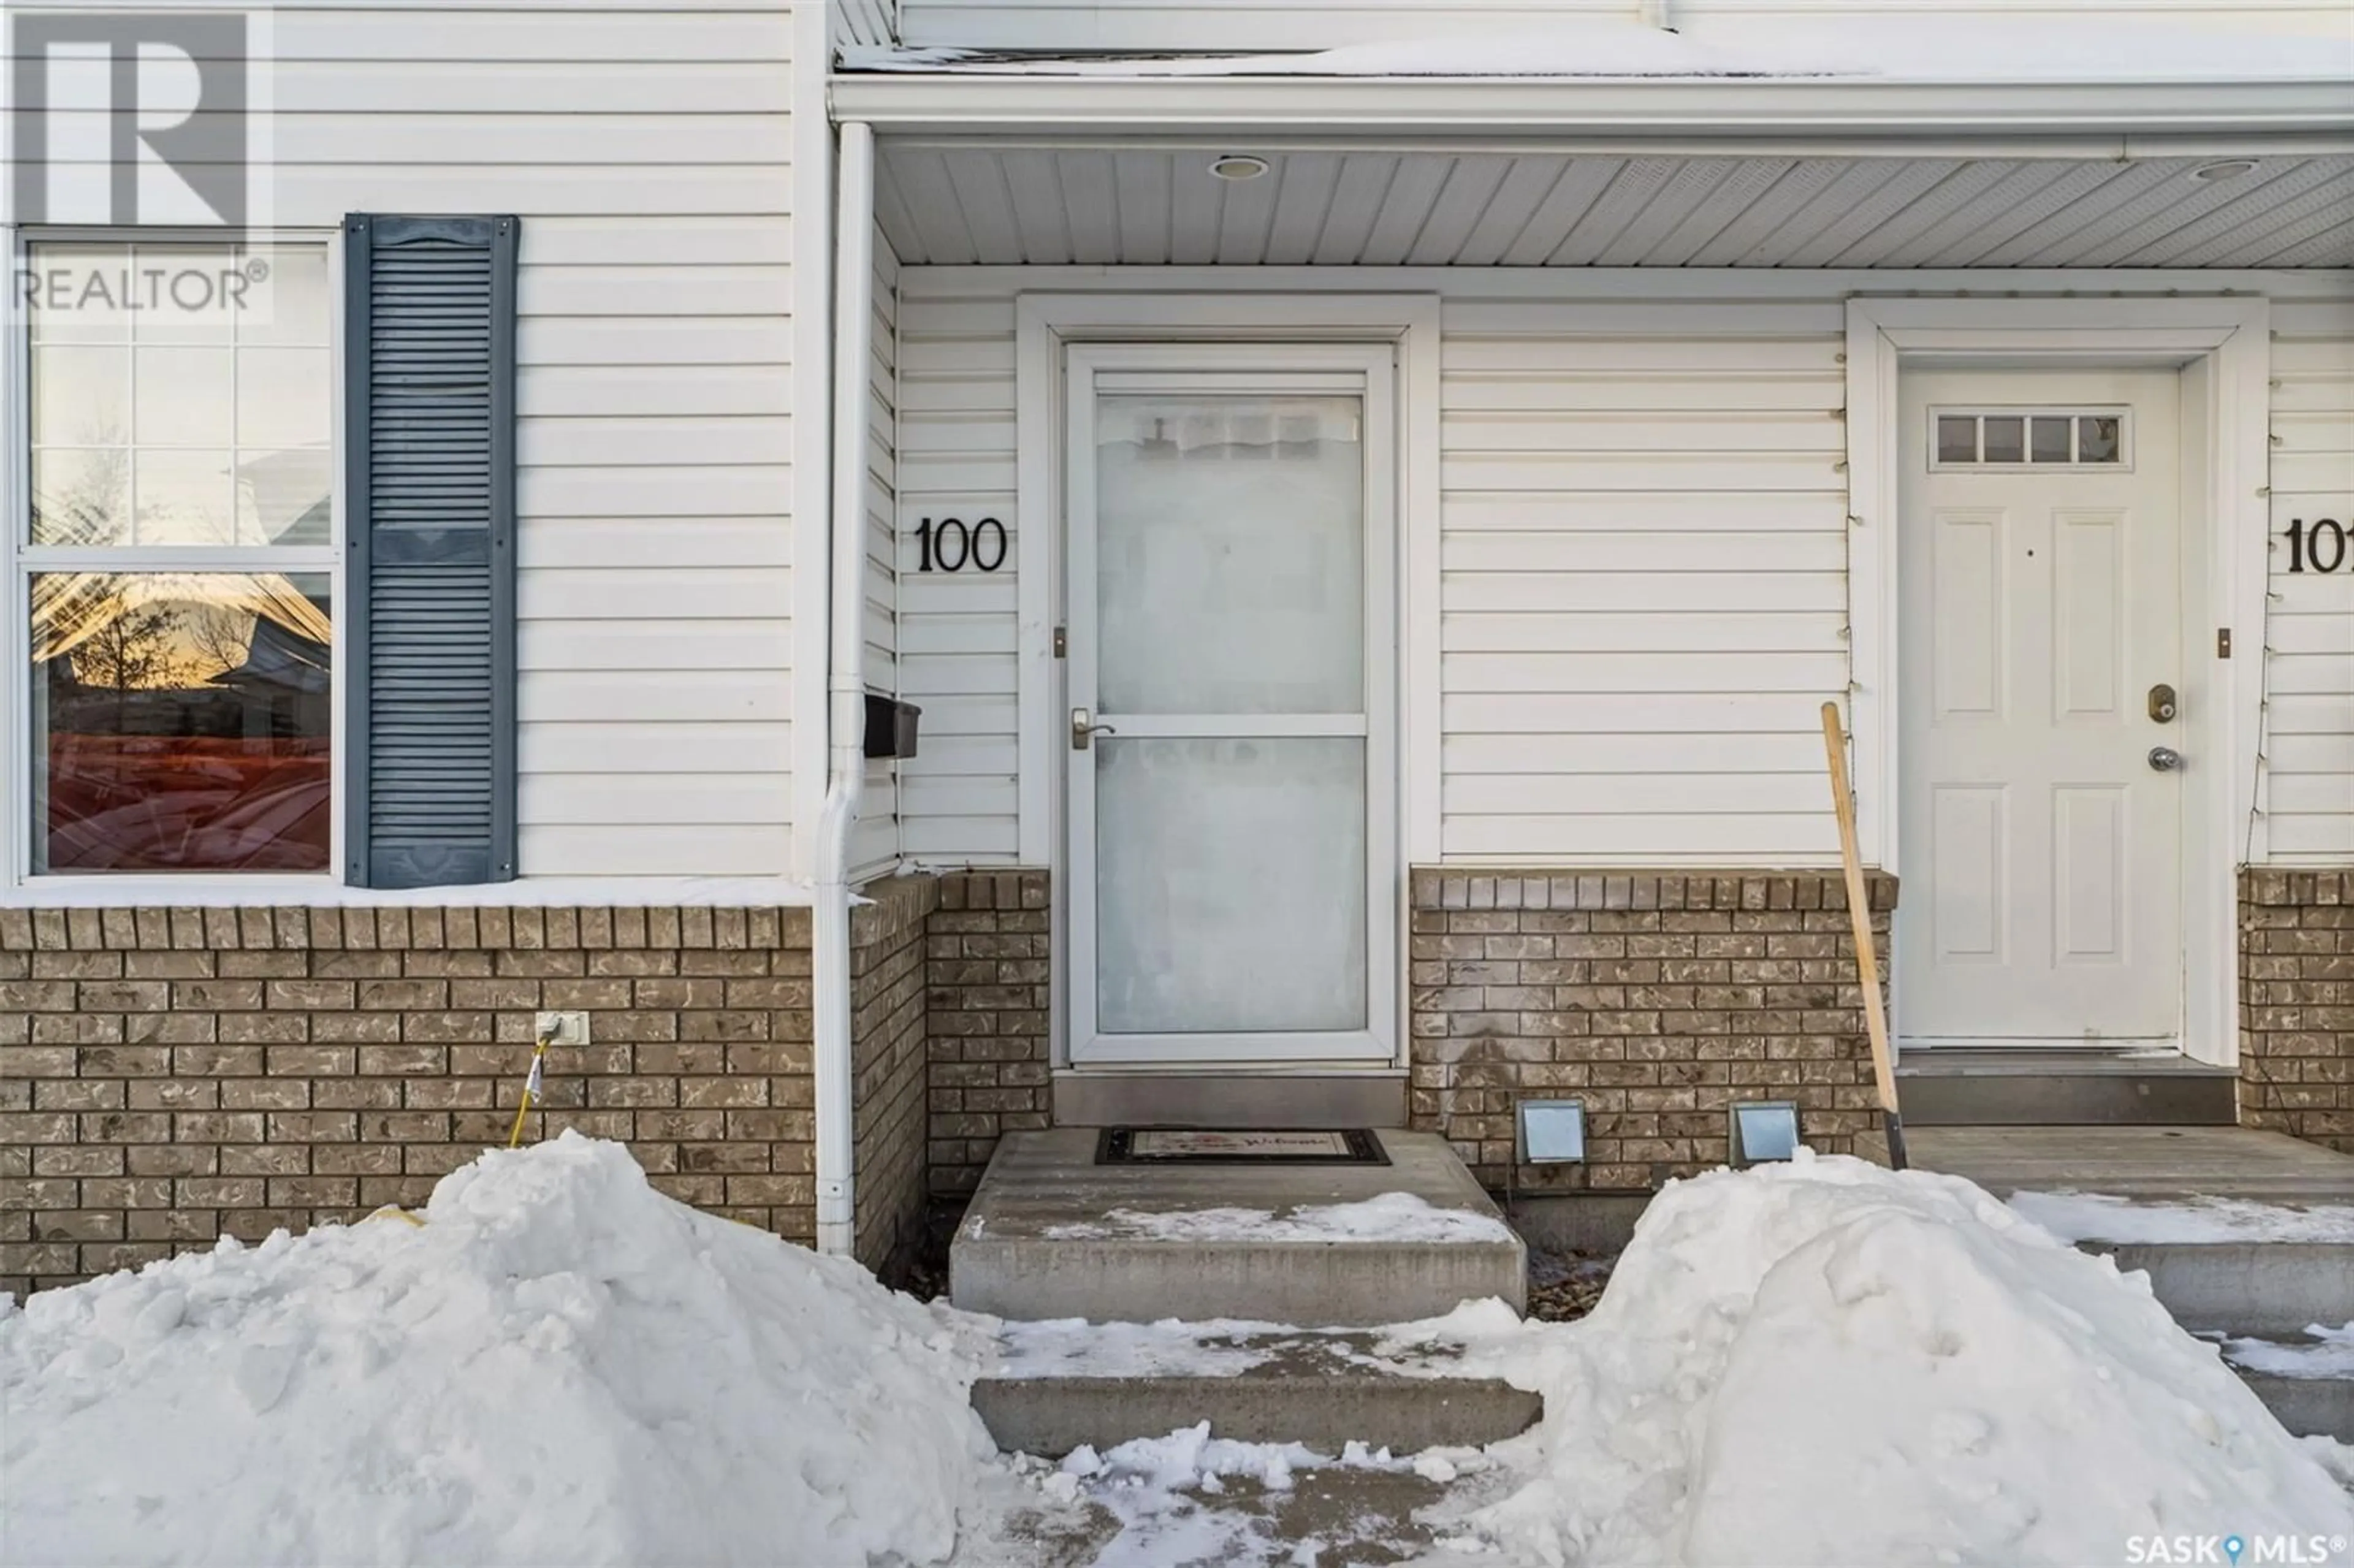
<point x="1229" y="1098"/>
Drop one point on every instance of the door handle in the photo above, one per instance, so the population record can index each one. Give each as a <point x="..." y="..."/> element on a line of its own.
<point x="2165" y="759"/>
<point x="1082" y="731"/>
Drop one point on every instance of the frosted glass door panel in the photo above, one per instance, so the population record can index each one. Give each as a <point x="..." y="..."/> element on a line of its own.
<point x="1230" y="555"/>
<point x="1230" y="885"/>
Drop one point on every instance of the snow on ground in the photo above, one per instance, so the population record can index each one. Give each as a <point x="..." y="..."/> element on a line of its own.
<point x="1818" y="1363"/>
<point x="1826" y="1363"/>
<point x="1063" y="1347"/>
<point x="2093" y="1216"/>
<point x="1391" y="1217"/>
<point x="2324" y="1352"/>
<point x="560" y="1365"/>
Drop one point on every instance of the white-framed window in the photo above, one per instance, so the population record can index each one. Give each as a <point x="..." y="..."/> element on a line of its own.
<point x="172" y="566"/>
<point x="2031" y="438"/>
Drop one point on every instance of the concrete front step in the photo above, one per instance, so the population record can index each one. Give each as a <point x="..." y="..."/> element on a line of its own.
<point x="2308" y="1406"/>
<point x="1058" y="1385"/>
<point x="2263" y="1289"/>
<point x="1052" y="1234"/>
<point x="1051" y="1416"/>
<point x="1955" y="1087"/>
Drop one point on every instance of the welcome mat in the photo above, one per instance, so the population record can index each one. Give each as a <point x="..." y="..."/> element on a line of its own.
<point x="1248" y="1146"/>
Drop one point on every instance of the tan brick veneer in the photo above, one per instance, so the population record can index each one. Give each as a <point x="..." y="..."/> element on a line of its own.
<point x="168" y="1075"/>
<point x="987" y="968"/>
<point x="1658" y="998"/>
<point x="2297" y="1004"/>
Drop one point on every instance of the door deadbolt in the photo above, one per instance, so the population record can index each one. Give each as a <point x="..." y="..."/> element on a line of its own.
<point x="1082" y="731"/>
<point x="2165" y="759"/>
<point x="2161" y="703"/>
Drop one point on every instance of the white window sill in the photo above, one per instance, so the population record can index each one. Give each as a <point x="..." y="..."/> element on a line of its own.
<point x="215" y="891"/>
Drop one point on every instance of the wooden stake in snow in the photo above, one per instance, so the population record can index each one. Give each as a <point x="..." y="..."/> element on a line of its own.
<point x="1859" y="914"/>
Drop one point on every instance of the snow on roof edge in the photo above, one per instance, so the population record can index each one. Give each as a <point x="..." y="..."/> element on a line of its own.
<point x="1906" y="49"/>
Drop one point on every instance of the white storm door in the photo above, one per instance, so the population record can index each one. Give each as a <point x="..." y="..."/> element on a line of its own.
<point x="2042" y="609"/>
<point x="1230" y="791"/>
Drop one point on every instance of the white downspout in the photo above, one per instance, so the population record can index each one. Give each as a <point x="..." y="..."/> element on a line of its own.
<point x="854" y="286"/>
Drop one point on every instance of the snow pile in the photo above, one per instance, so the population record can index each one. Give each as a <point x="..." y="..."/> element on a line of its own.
<point x="1825" y="1363"/>
<point x="2095" y="1217"/>
<point x="1390" y="1217"/>
<point x="561" y="1366"/>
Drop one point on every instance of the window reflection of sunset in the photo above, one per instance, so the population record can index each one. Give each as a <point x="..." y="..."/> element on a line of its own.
<point x="183" y="717"/>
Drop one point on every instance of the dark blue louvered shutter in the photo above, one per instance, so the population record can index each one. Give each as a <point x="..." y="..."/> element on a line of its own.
<point x="430" y="571"/>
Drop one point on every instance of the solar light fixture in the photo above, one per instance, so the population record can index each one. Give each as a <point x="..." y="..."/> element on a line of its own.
<point x="1552" y="1132"/>
<point x="1764" y="1131"/>
<point x="1238" y="166"/>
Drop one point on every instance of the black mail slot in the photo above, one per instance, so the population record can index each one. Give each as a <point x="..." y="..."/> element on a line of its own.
<point x="890" y="727"/>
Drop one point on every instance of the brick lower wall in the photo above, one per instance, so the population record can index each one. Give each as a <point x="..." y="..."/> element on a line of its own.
<point x="987" y="973"/>
<point x="172" y="1075"/>
<point x="2297" y="1004"/>
<point x="1658" y="998"/>
<point x="887" y="1032"/>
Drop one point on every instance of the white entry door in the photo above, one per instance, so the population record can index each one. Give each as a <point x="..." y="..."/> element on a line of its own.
<point x="2041" y="631"/>
<point x="1230" y="797"/>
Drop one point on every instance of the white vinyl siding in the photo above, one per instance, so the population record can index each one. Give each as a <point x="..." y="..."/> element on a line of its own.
<point x="1643" y="551"/>
<point x="875" y="842"/>
<point x="1244" y="25"/>
<point x="648" y="156"/>
<point x="1643" y="590"/>
<point x="2309" y="771"/>
<point x="1643" y="555"/>
<point x="956" y="654"/>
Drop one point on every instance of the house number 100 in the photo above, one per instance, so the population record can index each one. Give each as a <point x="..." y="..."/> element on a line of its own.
<point x="950" y="546"/>
<point x="2321" y="547"/>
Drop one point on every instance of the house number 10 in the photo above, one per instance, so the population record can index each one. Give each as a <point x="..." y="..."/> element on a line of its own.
<point x="2321" y="547"/>
<point x="950" y="547"/>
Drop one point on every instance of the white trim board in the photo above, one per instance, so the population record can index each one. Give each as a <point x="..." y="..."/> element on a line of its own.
<point x="1863" y="115"/>
<point x="2225" y="347"/>
<point x="812" y="429"/>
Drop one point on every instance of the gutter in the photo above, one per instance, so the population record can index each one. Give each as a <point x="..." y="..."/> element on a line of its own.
<point x="853" y="284"/>
<point x="1768" y="115"/>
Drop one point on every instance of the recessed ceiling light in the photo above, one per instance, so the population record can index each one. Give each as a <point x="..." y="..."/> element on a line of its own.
<point x="2223" y="169"/>
<point x="1238" y="166"/>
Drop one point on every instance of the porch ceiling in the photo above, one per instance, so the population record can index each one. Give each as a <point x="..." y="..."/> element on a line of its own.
<point x="948" y="203"/>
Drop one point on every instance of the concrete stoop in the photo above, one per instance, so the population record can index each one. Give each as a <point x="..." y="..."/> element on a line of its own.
<point x="1052" y="1234"/>
<point x="2259" y="1290"/>
<point x="2254" y="1289"/>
